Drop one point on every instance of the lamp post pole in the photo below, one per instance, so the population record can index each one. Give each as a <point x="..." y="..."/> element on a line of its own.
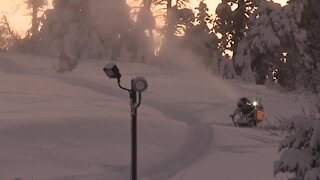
<point x="138" y="85"/>
<point x="133" y="97"/>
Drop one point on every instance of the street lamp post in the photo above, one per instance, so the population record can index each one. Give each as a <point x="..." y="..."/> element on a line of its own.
<point x="133" y="99"/>
<point x="138" y="85"/>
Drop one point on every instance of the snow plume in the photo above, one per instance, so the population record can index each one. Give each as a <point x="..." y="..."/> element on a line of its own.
<point x="175" y="57"/>
<point x="179" y="59"/>
<point x="93" y="29"/>
<point x="109" y="16"/>
<point x="192" y="52"/>
<point x="127" y="40"/>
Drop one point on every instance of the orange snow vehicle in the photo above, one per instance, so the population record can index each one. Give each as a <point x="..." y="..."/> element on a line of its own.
<point x="247" y="113"/>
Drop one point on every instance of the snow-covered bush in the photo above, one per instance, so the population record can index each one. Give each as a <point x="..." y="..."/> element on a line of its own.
<point x="280" y="126"/>
<point x="300" y="152"/>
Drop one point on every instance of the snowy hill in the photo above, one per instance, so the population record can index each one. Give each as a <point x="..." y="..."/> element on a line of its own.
<point x="77" y="125"/>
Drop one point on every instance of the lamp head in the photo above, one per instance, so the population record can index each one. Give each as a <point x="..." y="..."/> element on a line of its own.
<point x="255" y="103"/>
<point x="112" y="71"/>
<point x="140" y="84"/>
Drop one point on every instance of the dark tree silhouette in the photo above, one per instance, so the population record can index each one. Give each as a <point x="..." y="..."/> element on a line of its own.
<point x="35" y="6"/>
<point x="310" y="22"/>
<point x="232" y="25"/>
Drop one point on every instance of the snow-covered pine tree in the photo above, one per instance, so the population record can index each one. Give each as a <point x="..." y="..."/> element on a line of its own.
<point x="204" y="41"/>
<point x="170" y="15"/>
<point x="232" y="24"/>
<point x="87" y="29"/>
<point x="257" y="50"/>
<point x="141" y="43"/>
<point x="295" y="52"/>
<point x="64" y="28"/>
<point x="180" y="20"/>
<point x="193" y="37"/>
<point x="300" y="152"/>
<point x="9" y="40"/>
<point x="31" y="39"/>
<point x="273" y="33"/>
<point x="123" y="38"/>
<point x="309" y="22"/>
<point x="310" y="78"/>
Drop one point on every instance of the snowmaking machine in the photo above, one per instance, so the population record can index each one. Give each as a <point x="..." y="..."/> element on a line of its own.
<point x="247" y="113"/>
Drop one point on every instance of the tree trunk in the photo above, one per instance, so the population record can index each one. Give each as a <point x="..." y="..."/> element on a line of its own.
<point x="147" y="4"/>
<point x="170" y="25"/>
<point x="239" y="25"/>
<point x="169" y="5"/>
<point x="34" y="27"/>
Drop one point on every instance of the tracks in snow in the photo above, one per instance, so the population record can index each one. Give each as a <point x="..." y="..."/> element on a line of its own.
<point x="197" y="143"/>
<point x="198" y="140"/>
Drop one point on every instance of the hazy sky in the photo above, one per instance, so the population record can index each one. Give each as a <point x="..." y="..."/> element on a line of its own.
<point x="20" y="20"/>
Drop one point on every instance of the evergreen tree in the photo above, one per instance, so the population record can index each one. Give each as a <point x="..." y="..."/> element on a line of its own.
<point x="145" y="18"/>
<point x="310" y="22"/>
<point x="203" y="18"/>
<point x="310" y="78"/>
<point x="142" y="38"/>
<point x="274" y="43"/>
<point x="232" y="25"/>
<point x="203" y="40"/>
<point x="173" y="15"/>
<point x="300" y="152"/>
<point x="87" y="28"/>
<point x="35" y="6"/>
<point x="9" y="40"/>
<point x="65" y="28"/>
<point x="179" y="20"/>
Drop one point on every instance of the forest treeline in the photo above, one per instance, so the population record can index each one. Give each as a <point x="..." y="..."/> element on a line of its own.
<point x="254" y="40"/>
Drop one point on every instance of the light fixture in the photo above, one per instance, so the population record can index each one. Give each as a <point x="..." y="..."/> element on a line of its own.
<point x="255" y="103"/>
<point x="140" y="84"/>
<point x="112" y="71"/>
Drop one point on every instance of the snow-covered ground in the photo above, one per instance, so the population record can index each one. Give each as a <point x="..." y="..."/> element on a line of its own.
<point x="76" y="126"/>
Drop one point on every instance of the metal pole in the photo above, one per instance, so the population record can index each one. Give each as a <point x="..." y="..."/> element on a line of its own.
<point x="133" y="97"/>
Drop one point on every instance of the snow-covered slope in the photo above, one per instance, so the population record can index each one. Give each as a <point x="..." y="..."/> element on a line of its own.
<point x="77" y="125"/>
